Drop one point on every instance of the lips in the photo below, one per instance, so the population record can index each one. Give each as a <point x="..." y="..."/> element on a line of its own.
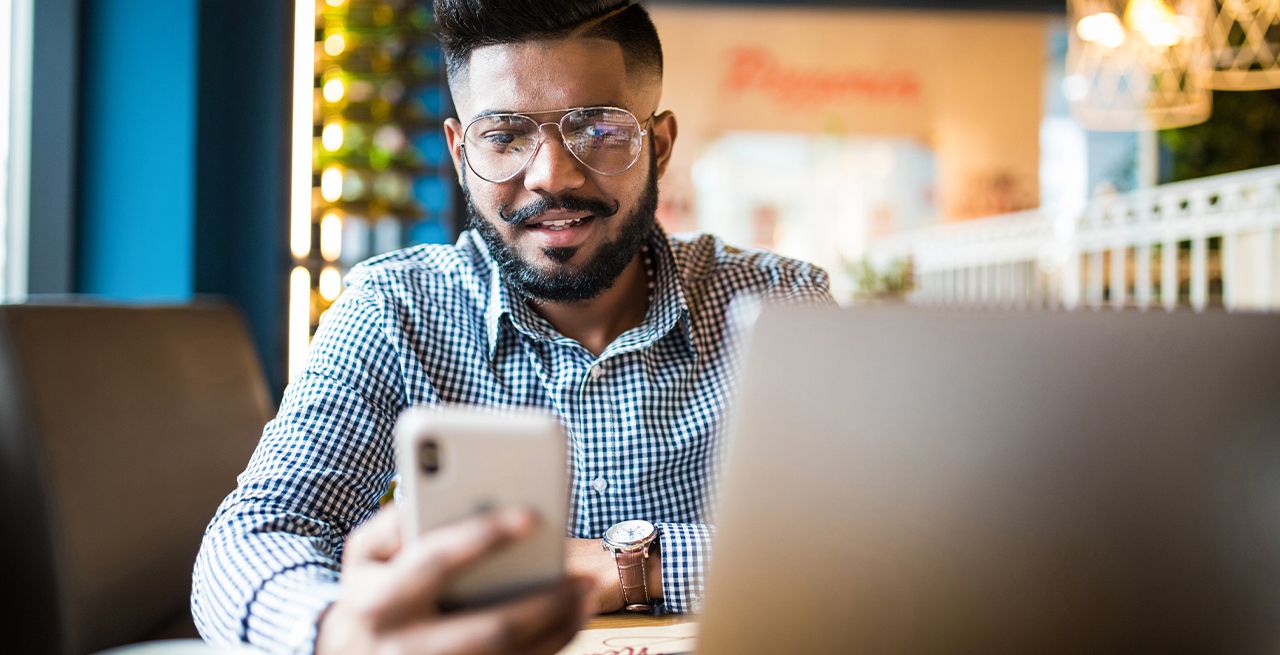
<point x="560" y="231"/>
<point x="557" y="219"/>
<point x="561" y="225"/>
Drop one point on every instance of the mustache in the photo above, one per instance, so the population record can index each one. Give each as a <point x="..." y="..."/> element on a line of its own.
<point x="598" y="208"/>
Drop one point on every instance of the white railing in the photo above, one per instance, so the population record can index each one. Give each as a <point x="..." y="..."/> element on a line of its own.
<point x="1107" y="255"/>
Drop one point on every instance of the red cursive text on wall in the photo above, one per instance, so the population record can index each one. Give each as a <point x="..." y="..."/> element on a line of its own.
<point x="754" y="68"/>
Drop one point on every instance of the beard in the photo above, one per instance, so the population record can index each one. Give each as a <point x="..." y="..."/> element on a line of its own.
<point x="565" y="284"/>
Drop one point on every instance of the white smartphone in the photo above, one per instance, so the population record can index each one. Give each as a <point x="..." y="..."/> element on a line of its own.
<point x="456" y="461"/>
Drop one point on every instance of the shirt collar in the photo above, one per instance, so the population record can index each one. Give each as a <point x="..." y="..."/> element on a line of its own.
<point x="668" y="309"/>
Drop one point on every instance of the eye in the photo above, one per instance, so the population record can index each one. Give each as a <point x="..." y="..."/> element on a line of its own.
<point x="600" y="135"/>
<point x="512" y="140"/>
<point x="499" y="138"/>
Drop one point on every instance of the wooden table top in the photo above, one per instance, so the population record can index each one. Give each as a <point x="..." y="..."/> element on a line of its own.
<point x="623" y="620"/>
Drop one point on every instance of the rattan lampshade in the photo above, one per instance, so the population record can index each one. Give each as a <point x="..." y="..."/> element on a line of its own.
<point x="1139" y="64"/>
<point x="1244" y="37"/>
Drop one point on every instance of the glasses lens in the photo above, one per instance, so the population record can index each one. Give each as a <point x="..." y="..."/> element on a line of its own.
<point x="499" y="146"/>
<point x="604" y="138"/>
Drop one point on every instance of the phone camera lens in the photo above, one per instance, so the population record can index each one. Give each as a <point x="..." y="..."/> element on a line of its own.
<point x="429" y="457"/>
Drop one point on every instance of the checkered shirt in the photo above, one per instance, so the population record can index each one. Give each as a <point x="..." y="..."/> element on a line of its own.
<point x="434" y="324"/>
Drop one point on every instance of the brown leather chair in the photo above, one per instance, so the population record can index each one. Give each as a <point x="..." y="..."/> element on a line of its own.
<point x="121" y="429"/>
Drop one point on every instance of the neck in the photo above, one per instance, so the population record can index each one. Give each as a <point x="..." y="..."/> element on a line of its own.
<point x="595" y="323"/>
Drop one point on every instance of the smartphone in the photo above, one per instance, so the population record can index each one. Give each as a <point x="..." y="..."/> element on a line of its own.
<point x="456" y="461"/>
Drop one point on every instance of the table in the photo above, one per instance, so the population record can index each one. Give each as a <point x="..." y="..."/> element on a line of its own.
<point x="634" y="633"/>
<point x="623" y="620"/>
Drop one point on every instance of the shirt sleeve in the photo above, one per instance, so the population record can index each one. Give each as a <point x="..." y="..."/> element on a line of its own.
<point x="268" y="565"/>
<point x="685" y="549"/>
<point x="804" y="284"/>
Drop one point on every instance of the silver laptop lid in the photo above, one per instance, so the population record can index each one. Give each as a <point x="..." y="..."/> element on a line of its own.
<point x="921" y="482"/>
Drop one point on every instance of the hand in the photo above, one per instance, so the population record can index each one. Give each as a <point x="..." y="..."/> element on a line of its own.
<point x="388" y="597"/>
<point x="587" y="559"/>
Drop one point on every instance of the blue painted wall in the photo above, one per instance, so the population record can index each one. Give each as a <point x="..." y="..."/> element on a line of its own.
<point x="137" y="158"/>
<point x="242" y="168"/>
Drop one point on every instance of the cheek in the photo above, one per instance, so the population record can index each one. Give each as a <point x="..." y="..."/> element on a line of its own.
<point x="488" y="199"/>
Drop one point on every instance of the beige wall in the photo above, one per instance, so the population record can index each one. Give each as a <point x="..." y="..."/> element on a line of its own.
<point x="968" y="86"/>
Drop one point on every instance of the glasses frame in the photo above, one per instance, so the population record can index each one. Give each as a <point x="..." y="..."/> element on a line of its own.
<point x="559" y="125"/>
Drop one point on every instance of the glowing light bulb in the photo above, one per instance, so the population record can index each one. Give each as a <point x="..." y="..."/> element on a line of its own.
<point x="331" y="184"/>
<point x="335" y="3"/>
<point x="330" y="283"/>
<point x="1103" y="28"/>
<point x="334" y="90"/>
<point x="332" y="135"/>
<point x="334" y="45"/>
<point x="299" y="319"/>
<point x="331" y="236"/>
<point x="1155" y="21"/>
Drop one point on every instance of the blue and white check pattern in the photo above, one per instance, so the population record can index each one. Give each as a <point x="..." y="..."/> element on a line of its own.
<point x="434" y="324"/>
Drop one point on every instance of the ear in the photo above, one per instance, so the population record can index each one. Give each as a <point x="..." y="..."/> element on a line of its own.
<point x="453" y="136"/>
<point x="664" y="139"/>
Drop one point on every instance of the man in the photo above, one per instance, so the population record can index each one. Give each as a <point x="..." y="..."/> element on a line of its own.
<point x="566" y="295"/>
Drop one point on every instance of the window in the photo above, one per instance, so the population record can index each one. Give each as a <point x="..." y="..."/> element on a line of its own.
<point x="6" y="23"/>
<point x="15" y="104"/>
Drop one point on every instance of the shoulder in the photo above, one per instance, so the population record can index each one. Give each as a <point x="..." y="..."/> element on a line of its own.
<point x="706" y="261"/>
<point x="435" y="271"/>
<point x="416" y="266"/>
<point x="423" y="294"/>
<point x="418" y="285"/>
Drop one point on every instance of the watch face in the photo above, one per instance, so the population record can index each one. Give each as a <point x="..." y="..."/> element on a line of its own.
<point x="629" y="532"/>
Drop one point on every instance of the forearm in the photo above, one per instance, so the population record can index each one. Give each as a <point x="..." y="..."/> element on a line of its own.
<point x="263" y="579"/>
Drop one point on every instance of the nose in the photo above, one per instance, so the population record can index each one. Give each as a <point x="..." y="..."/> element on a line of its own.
<point x="553" y="168"/>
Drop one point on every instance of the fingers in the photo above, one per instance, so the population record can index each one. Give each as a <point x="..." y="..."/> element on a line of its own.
<point x="554" y="639"/>
<point x="540" y="623"/>
<point x="377" y="540"/>
<point x="417" y="575"/>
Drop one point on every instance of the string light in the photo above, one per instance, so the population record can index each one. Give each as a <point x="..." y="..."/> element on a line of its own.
<point x="331" y="235"/>
<point x="334" y="45"/>
<point x="331" y="184"/>
<point x="331" y="137"/>
<point x="330" y="283"/>
<point x="300" y="155"/>
<point x="299" y="319"/>
<point x="334" y="90"/>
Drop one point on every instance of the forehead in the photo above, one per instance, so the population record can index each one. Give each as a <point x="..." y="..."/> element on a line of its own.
<point x="549" y="74"/>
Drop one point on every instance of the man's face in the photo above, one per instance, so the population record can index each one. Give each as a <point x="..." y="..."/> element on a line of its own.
<point x="580" y="261"/>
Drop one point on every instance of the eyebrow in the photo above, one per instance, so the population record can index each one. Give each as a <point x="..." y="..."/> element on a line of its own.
<point x="494" y="112"/>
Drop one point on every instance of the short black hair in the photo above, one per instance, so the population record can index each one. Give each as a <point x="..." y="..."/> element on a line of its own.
<point x="465" y="25"/>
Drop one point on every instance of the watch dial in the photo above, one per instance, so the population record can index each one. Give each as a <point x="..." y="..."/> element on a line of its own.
<point x="629" y="532"/>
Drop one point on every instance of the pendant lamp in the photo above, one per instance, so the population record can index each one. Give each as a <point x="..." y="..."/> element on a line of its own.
<point x="1135" y="65"/>
<point x="1244" y="38"/>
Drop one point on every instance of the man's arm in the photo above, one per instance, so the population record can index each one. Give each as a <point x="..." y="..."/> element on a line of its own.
<point x="269" y="563"/>
<point x="674" y="569"/>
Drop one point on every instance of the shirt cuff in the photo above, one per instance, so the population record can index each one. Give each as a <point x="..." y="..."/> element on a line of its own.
<point x="285" y="615"/>
<point x="685" y="550"/>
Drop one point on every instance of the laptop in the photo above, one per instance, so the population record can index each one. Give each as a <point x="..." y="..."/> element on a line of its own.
<point x="913" y="481"/>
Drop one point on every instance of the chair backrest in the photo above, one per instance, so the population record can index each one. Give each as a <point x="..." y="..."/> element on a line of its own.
<point x="121" y="429"/>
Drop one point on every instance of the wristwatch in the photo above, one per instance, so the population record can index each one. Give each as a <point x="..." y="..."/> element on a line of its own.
<point x="631" y="542"/>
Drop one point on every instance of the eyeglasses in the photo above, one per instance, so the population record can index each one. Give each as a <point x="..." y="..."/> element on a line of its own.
<point x="607" y="140"/>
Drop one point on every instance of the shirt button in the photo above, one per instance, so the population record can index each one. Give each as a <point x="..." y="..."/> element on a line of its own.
<point x="597" y="372"/>
<point x="600" y="484"/>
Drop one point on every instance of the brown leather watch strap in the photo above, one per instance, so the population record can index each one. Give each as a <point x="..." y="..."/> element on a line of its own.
<point x="634" y="578"/>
